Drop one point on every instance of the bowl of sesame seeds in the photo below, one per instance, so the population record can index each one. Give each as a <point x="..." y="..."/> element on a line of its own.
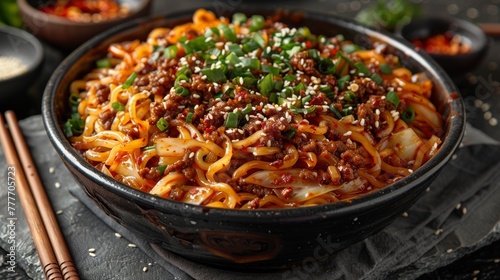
<point x="252" y="238"/>
<point x="21" y="57"/>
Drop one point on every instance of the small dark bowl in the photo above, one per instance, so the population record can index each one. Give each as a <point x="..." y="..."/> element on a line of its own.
<point x="470" y="34"/>
<point x="67" y="34"/>
<point x="19" y="44"/>
<point x="257" y="239"/>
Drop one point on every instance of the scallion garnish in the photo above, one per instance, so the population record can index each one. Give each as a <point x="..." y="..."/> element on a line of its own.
<point x="235" y="48"/>
<point x="328" y="92"/>
<point x="377" y="79"/>
<point x="228" y="33"/>
<point x="74" y="99"/>
<point x="290" y="133"/>
<point x="342" y="81"/>
<point x="273" y="98"/>
<point x="385" y="69"/>
<point x="270" y="69"/>
<point x="103" y="63"/>
<point x="182" y="91"/>
<point x="73" y="127"/>
<point x="117" y="106"/>
<point x="259" y="40"/>
<point x="393" y="98"/>
<point x="239" y="18"/>
<point x="180" y="78"/>
<point x="162" y="124"/>
<point x="130" y="80"/>
<point x="408" y="115"/>
<point x="232" y="120"/>
<point x="266" y="84"/>
<point x="161" y="168"/>
<point x="349" y="96"/>
<point x="335" y="111"/>
<point x="214" y="75"/>
<point x="257" y="23"/>
<point x="361" y="67"/>
<point x="247" y="109"/>
<point x="326" y="66"/>
<point x="250" y="46"/>
<point x="350" y="48"/>
<point x="189" y="117"/>
<point x="170" y="51"/>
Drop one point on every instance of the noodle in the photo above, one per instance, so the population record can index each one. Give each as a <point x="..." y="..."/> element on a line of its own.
<point x="252" y="114"/>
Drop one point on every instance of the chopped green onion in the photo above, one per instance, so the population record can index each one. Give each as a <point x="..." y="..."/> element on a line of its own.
<point x="239" y="18"/>
<point x="247" y="109"/>
<point x="147" y="148"/>
<point x="304" y="31"/>
<point x="103" y="63"/>
<point x="328" y="92"/>
<point x="349" y="96"/>
<point x="183" y="71"/>
<point x="162" y="124"/>
<point x="342" y="81"/>
<point x="266" y="84"/>
<point x="306" y="99"/>
<point x="350" y="48"/>
<point x="335" y="111"/>
<point x="228" y="33"/>
<point x="161" y="168"/>
<point x="180" y="78"/>
<point x="290" y="133"/>
<point x="299" y="87"/>
<point x="408" y="115"/>
<point x="250" y="63"/>
<point x="278" y="85"/>
<point x="117" y="106"/>
<point x="362" y="68"/>
<point x="170" y="51"/>
<point x="257" y="23"/>
<point x="273" y="98"/>
<point x="290" y="78"/>
<point x="326" y="66"/>
<point x="347" y="110"/>
<point x="182" y="91"/>
<point x="235" y="48"/>
<point x="385" y="69"/>
<point x="73" y="127"/>
<point x="232" y="59"/>
<point x="270" y="69"/>
<point x="189" y="117"/>
<point x="310" y="110"/>
<point x="314" y="54"/>
<point x="232" y="120"/>
<point x="393" y="98"/>
<point x="214" y="75"/>
<point x="259" y="39"/>
<point x="130" y="80"/>
<point x="250" y="46"/>
<point x="213" y="33"/>
<point x="199" y="43"/>
<point x="293" y="51"/>
<point x="74" y="99"/>
<point x="377" y="79"/>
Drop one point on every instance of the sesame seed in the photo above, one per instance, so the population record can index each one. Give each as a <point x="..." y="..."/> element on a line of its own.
<point x="145" y="269"/>
<point x="132" y="245"/>
<point x="52" y="170"/>
<point x="91" y="250"/>
<point x="191" y="155"/>
<point x="57" y="185"/>
<point x="464" y="211"/>
<point x="348" y="133"/>
<point x="454" y="156"/>
<point x="449" y="251"/>
<point x="405" y="214"/>
<point x="118" y="235"/>
<point x="362" y="122"/>
<point x="92" y="254"/>
<point x="410" y="170"/>
<point x="377" y="112"/>
<point x="428" y="189"/>
<point x="377" y="124"/>
<point x="458" y="206"/>
<point x="196" y="95"/>
<point x="59" y="212"/>
<point x="269" y="143"/>
<point x="438" y="231"/>
<point x="204" y="77"/>
<point x="493" y="121"/>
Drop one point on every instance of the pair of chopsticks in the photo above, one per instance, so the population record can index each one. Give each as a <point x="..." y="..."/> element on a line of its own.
<point x="49" y="242"/>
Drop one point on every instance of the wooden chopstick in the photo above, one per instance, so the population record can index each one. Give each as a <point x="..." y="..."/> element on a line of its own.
<point x="49" y="241"/>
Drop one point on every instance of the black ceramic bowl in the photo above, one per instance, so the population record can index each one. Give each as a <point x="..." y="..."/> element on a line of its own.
<point x="260" y="239"/>
<point x="469" y="33"/>
<point x="19" y="44"/>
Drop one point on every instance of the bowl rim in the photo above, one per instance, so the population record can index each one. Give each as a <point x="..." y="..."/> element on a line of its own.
<point x="26" y="6"/>
<point x="454" y="131"/>
<point x="38" y="54"/>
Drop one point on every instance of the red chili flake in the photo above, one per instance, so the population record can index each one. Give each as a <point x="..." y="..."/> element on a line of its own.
<point x="334" y="51"/>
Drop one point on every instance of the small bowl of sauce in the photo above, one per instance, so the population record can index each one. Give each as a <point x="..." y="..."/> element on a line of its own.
<point x="86" y="10"/>
<point x="456" y="45"/>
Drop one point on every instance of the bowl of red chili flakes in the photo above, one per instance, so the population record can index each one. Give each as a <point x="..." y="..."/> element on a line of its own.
<point x="456" y="45"/>
<point x="67" y="24"/>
